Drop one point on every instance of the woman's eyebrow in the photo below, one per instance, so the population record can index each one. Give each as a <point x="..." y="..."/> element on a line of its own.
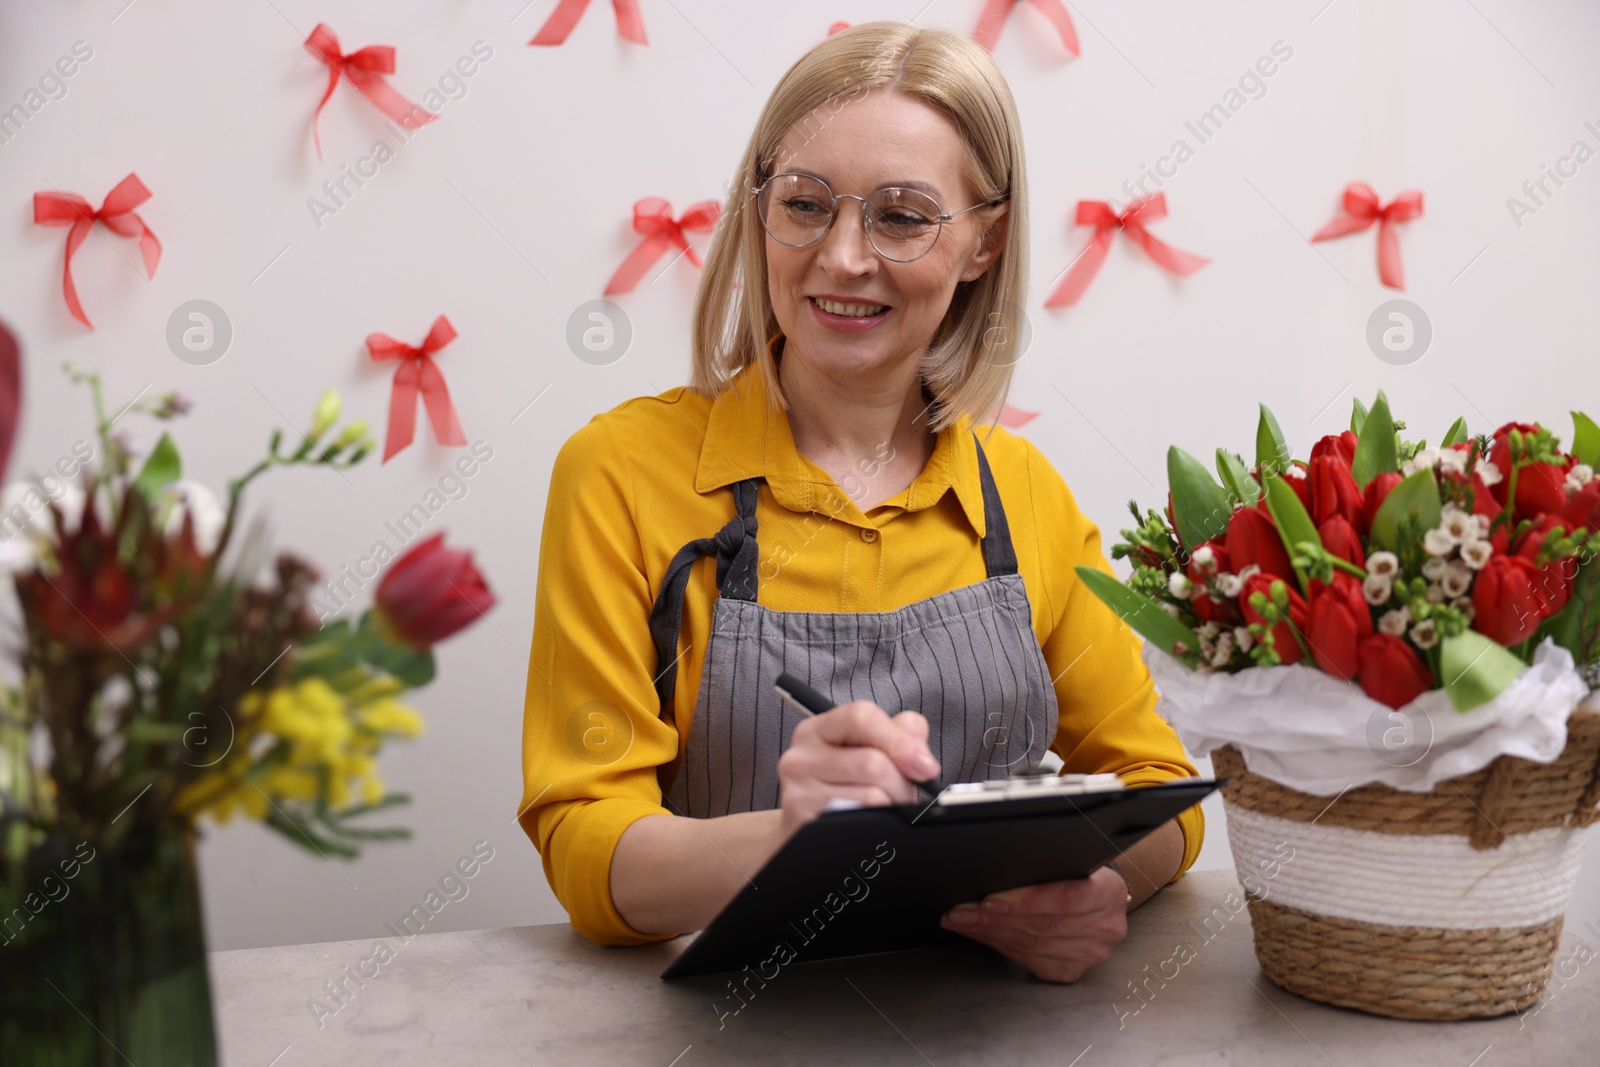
<point x="909" y="183"/>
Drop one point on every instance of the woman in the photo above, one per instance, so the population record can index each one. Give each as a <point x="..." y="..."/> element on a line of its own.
<point x="864" y="538"/>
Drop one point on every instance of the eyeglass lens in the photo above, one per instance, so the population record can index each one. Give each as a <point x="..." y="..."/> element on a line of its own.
<point x="902" y="224"/>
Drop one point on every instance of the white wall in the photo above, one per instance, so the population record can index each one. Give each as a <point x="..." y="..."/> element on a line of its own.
<point x="513" y="208"/>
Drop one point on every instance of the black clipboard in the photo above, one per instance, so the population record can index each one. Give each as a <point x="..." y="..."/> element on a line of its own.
<point x="877" y="879"/>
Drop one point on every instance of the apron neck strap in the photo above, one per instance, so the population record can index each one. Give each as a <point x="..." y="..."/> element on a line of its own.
<point x="999" y="554"/>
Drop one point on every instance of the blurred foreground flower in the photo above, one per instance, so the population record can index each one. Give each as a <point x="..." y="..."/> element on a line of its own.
<point x="430" y="593"/>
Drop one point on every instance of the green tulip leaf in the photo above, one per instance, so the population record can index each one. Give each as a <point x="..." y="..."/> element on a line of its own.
<point x="1199" y="506"/>
<point x="1236" y="477"/>
<point x="1375" y="452"/>
<point x="1457" y="432"/>
<point x="1585" y="439"/>
<point x="1143" y="613"/>
<point x="1416" y="497"/>
<point x="1271" y="451"/>
<point x="413" y="667"/>
<point x="1475" y="669"/>
<point x="1358" y="416"/>
<point x="161" y="468"/>
<point x="1293" y="521"/>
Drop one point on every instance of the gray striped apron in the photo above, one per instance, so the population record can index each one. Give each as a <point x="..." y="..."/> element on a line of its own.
<point x="967" y="659"/>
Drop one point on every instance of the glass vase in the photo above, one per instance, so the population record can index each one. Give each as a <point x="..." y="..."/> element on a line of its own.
<point x="102" y="955"/>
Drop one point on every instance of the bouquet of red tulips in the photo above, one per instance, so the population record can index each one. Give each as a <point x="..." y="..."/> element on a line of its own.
<point x="1395" y="565"/>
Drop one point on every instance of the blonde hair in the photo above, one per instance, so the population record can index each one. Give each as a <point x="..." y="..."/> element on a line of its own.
<point x="970" y="359"/>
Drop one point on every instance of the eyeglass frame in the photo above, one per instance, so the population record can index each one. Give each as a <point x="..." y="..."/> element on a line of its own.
<point x="866" y="220"/>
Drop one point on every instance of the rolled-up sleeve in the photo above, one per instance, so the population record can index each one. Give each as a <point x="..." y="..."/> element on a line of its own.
<point x="1106" y="697"/>
<point x="592" y="734"/>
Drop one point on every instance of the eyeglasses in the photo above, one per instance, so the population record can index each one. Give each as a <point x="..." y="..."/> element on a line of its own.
<point x="901" y="224"/>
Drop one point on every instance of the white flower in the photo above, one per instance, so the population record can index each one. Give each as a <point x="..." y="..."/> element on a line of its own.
<point x="1458" y="524"/>
<point x="1453" y="460"/>
<point x="1581" y="473"/>
<point x="1210" y="630"/>
<point x="1425" y="634"/>
<point x="1249" y="572"/>
<point x="1433" y="569"/>
<point x="1476" y="553"/>
<point x="1438" y="542"/>
<point x="1229" y="584"/>
<point x="1243" y="637"/>
<point x="1292" y="471"/>
<point x="1435" y="593"/>
<point x="1169" y="608"/>
<point x="1383" y="564"/>
<point x="1205" y="559"/>
<point x="1482" y="522"/>
<point x="1463" y="604"/>
<point x="1395" y="622"/>
<point x="27" y="531"/>
<point x="1377" y="589"/>
<point x="1457" y="579"/>
<point x="200" y="502"/>
<point x="1424" y="459"/>
<point x="1488" y="471"/>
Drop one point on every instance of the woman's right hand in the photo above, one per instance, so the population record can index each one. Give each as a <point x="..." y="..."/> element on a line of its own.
<point x="855" y="751"/>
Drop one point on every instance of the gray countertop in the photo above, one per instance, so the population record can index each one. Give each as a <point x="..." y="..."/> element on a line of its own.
<point x="545" y="995"/>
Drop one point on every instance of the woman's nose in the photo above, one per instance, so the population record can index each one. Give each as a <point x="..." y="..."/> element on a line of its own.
<point x="845" y="249"/>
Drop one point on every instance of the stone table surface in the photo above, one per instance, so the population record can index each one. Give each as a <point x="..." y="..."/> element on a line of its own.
<point x="545" y="995"/>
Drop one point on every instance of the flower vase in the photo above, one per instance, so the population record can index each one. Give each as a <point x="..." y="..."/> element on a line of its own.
<point x="102" y="949"/>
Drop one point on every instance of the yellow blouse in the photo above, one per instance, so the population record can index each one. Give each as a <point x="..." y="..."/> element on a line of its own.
<point x="618" y="510"/>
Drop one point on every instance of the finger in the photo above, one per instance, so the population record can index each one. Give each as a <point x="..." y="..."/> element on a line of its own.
<point x="913" y="723"/>
<point x="861" y="722"/>
<point x="864" y="766"/>
<point x="1072" y="896"/>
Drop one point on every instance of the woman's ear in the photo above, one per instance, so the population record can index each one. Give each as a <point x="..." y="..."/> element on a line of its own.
<point x="994" y="240"/>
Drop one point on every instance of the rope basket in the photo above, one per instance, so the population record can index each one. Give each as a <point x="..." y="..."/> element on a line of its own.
<point x="1438" y="905"/>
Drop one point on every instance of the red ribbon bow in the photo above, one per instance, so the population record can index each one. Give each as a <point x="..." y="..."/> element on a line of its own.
<point x="365" y="69"/>
<point x="630" y="23"/>
<point x="1099" y="214"/>
<point x="70" y="209"/>
<point x="1361" y="209"/>
<point x="652" y="217"/>
<point x="994" y="17"/>
<point x="417" y="371"/>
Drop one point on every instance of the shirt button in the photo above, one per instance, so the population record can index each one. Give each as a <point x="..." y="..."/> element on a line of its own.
<point x="869" y="536"/>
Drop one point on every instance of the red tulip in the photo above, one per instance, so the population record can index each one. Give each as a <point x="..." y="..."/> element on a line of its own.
<point x="1340" y="618"/>
<point x="1541" y="487"/>
<point x="1336" y="444"/>
<point x="1372" y="497"/>
<point x="1340" y="538"/>
<point x="1391" y="671"/>
<point x="1583" y="508"/>
<point x="1506" y="606"/>
<point x="1253" y="538"/>
<point x="1218" y="564"/>
<point x="1555" y="578"/>
<point x="1283" y="639"/>
<point x="430" y="593"/>
<point x="1334" y="492"/>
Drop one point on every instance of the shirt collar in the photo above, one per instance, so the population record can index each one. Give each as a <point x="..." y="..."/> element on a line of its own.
<point x="748" y="436"/>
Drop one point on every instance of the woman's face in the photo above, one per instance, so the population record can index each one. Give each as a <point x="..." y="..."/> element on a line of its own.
<point x="874" y="140"/>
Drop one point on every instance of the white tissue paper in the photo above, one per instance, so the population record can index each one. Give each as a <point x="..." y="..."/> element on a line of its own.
<point x="1310" y="731"/>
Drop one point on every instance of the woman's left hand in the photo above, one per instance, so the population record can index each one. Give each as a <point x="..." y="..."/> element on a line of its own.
<point x="1058" y="930"/>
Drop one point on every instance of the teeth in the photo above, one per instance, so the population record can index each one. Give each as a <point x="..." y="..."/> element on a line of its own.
<point x="856" y="311"/>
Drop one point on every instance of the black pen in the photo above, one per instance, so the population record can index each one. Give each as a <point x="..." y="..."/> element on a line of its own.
<point x="808" y="701"/>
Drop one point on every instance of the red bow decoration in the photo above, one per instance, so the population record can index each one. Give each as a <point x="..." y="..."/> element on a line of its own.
<point x="417" y="371"/>
<point x="838" y="27"/>
<point x="365" y="69"/>
<point x="1099" y="214"/>
<point x="994" y="17"/>
<point x="1361" y="209"/>
<point x="70" y="209"/>
<point x="630" y="23"/>
<point x="652" y="217"/>
<point x="1012" y="417"/>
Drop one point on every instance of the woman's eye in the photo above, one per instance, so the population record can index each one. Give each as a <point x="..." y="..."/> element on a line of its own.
<point x="802" y="206"/>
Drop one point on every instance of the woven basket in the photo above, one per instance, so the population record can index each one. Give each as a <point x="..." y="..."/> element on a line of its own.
<point x="1440" y="905"/>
